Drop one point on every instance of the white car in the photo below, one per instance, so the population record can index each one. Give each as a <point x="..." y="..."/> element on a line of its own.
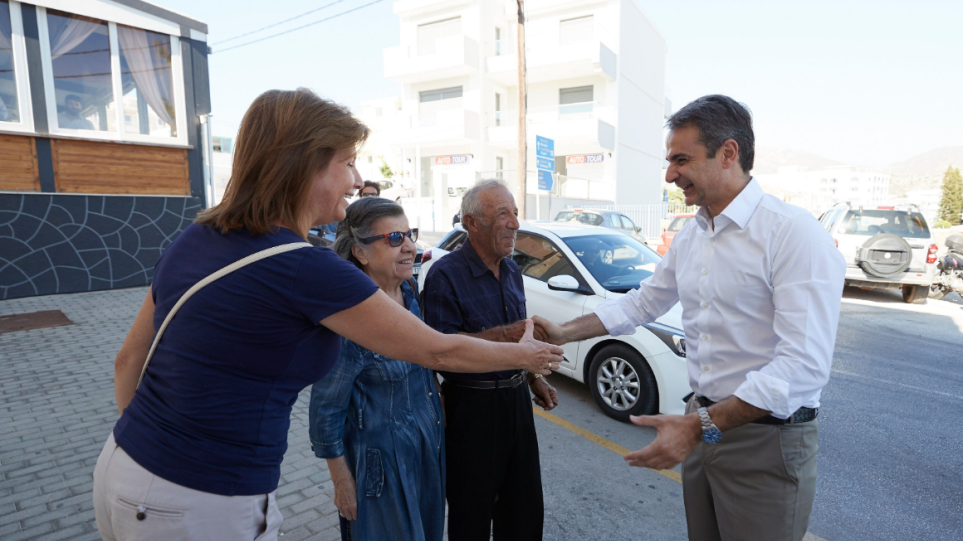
<point x="568" y="270"/>
<point x="391" y="189"/>
<point x="885" y="248"/>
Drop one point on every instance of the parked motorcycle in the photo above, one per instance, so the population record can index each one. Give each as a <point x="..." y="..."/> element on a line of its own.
<point x="949" y="270"/>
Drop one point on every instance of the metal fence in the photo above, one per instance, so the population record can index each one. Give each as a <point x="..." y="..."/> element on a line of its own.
<point x="651" y="218"/>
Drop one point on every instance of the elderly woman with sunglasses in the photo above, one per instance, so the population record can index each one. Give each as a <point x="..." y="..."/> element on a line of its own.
<point x="378" y="421"/>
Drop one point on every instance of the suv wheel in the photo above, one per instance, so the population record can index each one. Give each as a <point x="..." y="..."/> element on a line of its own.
<point x="915" y="294"/>
<point x="622" y="383"/>
<point x="885" y="256"/>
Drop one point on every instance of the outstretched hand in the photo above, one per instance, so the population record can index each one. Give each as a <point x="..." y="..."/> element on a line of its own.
<point x="677" y="436"/>
<point x="542" y="358"/>
<point x="549" y="331"/>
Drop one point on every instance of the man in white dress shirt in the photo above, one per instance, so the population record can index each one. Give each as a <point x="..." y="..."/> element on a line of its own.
<point x="760" y="283"/>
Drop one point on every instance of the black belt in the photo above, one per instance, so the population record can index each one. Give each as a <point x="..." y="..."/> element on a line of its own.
<point x="802" y="415"/>
<point x="510" y="383"/>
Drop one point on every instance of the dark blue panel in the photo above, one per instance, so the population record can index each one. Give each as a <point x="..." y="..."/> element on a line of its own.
<point x="54" y="240"/>
<point x="45" y="166"/>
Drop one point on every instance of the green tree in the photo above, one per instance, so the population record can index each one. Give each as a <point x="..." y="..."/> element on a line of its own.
<point x="385" y="170"/>
<point x="951" y="204"/>
<point x="676" y="196"/>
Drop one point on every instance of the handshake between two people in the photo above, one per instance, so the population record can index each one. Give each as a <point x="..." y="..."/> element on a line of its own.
<point x="677" y="435"/>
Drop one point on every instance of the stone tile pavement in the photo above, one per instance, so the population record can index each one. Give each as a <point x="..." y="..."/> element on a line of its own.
<point x="57" y="408"/>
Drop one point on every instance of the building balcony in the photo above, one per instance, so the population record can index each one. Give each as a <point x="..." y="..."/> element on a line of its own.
<point x="550" y="63"/>
<point x="451" y="127"/>
<point x="575" y="127"/>
<point x="452" y="56"/>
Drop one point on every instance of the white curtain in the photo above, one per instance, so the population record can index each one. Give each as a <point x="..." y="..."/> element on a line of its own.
<point x="68" y="32"/>
<point x="151" y="67"/>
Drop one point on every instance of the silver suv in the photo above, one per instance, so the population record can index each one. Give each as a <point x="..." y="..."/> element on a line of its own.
<point x="884" y="247"/>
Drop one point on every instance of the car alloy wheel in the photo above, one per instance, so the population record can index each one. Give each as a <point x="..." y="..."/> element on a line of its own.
<point x="622" y="383"/>
<point x="618" y="384"/>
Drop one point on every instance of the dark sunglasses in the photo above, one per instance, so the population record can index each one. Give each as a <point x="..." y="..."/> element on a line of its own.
<point x="396" y="238"/>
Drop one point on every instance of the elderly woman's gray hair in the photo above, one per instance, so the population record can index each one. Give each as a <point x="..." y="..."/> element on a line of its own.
<point x="358" y="224"/>
<point x="471" y="202"/>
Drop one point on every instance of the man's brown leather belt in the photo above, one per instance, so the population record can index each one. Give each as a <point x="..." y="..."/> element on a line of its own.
<point x="802" y="415"/>
<point x="513" y="382"/>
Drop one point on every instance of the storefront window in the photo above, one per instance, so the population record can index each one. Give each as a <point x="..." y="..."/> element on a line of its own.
<point x="9" y="104"/>
<point x="80" y="56"/>
<point x="147" y="80"/>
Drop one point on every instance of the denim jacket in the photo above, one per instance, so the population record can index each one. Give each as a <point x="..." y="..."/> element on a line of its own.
<point x="385" y="417"/>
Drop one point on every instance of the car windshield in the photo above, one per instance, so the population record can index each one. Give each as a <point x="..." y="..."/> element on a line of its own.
<point x="679" y="223"/>
<point x="618" y="262"/>
<point x="873" y="222"/>
<point x="587" y="218"/>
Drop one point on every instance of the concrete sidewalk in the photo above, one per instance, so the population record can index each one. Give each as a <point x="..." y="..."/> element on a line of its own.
<point x="57" y="408"/>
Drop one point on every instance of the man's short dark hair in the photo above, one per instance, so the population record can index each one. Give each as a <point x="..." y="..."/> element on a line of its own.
<point x="719" y="118"/>
<point x="73" y="97"/>
<point x="372" y="184"/>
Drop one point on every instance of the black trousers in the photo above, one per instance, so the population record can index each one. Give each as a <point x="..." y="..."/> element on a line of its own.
<point x="493" y="472"/>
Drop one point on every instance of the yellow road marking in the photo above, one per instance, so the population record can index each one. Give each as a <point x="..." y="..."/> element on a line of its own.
<point x="599" y="440"/>
<point x="622" y="451"/>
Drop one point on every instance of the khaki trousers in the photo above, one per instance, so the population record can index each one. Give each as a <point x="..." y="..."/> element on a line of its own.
<point x="123" y="490"/>
<point x="757" y="484"/>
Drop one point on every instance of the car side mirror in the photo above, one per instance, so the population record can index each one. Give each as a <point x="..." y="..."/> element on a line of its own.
<point x="638" y="229"/>
<point x="565" y="282"/>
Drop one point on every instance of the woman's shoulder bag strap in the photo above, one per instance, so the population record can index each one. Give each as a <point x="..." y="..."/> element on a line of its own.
<point x="263" y="254"/>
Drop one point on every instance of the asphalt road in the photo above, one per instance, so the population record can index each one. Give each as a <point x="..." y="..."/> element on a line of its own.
<point x="891" y="440"/>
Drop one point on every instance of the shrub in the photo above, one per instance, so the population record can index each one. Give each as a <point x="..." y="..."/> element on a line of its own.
<point x="942" y="224"/>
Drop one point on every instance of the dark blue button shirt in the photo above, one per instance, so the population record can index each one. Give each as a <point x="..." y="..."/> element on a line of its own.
<point x="461" y="294"/>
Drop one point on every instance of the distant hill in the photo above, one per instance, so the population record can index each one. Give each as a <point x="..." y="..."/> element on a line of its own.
<point x="929" y="163"/>
<point x="921" y="172"/>
<point x="770" y="159"/>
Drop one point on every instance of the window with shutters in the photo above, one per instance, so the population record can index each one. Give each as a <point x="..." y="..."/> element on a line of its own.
<point x="575" y="100"/>
<point x="575" y="30"/>
<point x="429" y="34"/>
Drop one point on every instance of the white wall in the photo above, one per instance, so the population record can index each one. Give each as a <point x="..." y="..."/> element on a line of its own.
<point x="641" y="103"/>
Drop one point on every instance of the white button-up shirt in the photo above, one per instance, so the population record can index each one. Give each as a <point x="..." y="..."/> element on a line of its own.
<point x="760" y="298"/>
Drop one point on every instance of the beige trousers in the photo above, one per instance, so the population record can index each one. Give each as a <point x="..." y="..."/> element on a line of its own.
<point x="757" y="484"/>
<point x="124" y="491"/>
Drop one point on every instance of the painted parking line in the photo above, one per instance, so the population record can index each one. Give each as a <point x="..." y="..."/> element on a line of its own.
<point x="622" y="451"/>
<point x="599" y="440"/>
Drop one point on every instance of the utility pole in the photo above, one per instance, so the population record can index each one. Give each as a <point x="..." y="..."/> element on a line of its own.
<point x="521" y="198"/>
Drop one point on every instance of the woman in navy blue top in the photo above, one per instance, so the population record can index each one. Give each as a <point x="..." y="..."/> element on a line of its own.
<point x="378" y="421"/>
<point x="197" y="451"/>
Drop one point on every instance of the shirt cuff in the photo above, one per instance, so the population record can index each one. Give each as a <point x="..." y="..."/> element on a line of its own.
<point x="328" y="450"/>
<point x="766" y="392"/>
<point x="613" y="318"/>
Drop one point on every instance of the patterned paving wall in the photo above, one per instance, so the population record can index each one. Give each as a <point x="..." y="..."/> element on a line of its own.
<point x="69" y="243"/>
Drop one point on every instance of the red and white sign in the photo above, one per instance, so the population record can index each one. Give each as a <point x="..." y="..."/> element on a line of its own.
<point x="582" y="159"/>
<point x="457" y="159"/>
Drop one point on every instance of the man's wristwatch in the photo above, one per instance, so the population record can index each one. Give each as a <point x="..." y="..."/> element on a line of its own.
<point x="710" y="432"/>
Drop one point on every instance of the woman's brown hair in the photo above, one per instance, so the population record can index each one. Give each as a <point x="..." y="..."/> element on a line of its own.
<point x="286" y="138"/>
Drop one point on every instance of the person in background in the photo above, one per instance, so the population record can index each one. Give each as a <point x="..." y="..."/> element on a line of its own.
<point x="378" y="421"/>
<point x="760" y="283"/>
<point x="197" y="451"/>
<point x="370" y="189"/>
<point x="493" y="471"/>
<point x="70" y="117"/>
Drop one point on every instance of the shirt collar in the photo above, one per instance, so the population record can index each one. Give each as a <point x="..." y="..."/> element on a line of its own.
<point x="739" y="210"/>
<point x="478" y="267"/>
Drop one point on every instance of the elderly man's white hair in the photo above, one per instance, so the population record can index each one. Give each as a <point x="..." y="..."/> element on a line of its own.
<point x="471" y="202"/>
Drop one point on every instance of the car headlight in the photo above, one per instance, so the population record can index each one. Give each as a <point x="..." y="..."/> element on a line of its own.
<point x="673" y="338"/>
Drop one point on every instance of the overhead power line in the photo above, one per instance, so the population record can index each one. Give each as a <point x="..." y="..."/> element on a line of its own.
<point x="263" y="28"/>
<point x="300" y="27"/>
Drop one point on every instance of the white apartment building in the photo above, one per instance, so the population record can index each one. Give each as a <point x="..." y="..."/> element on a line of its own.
<point x="819" y="190"/>
<point x="596" y="80"/>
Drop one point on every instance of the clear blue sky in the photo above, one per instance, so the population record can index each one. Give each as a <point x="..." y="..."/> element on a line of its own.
<point x="866" y="82"/>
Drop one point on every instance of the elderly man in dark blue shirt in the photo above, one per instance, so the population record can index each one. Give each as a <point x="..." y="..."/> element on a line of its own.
<point x="493" y="468"/>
